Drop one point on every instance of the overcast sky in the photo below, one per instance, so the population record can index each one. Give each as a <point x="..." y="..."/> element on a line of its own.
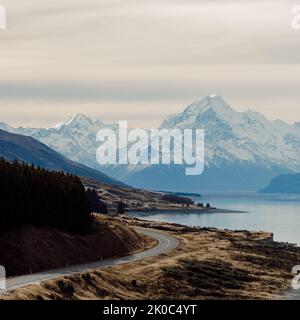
<point x="139" y="60"/>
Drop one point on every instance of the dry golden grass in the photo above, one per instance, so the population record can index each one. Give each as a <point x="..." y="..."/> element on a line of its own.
<point x="134" y="199"/>
<point x="208" y="264"/>
<point x="36" y="249"/>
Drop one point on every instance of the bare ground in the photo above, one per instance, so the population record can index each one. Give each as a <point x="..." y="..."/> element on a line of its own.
<point x="208" y="264"/>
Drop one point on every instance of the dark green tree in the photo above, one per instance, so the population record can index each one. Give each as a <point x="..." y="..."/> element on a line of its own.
<point x="35" y="196"/>
<point x="121" y="208"/>
<point x="95" y="203"/>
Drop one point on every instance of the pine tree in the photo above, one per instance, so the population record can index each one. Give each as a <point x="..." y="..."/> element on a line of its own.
<point x="95" y="203"/>
<point x="30" y="195"/>
<point x="121" y="208"/>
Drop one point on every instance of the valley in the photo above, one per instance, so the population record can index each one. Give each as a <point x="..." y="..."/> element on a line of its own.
<point x="244" y="151"/>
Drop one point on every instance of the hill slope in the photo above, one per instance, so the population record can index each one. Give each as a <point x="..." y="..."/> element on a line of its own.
<point x="29" y="150"/>
<point x="46" y="248"/>
<point x="289" y="183"/>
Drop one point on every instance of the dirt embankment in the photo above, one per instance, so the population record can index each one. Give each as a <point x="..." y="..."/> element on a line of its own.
<point x="31" y="249"/>
<point x="208" y="264"/>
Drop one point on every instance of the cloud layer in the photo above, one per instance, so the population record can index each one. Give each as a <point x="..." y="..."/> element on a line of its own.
<point x="145" y="59"/>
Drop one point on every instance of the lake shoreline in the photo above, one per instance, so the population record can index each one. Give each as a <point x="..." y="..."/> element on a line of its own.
<point x="278" y="214"/>
<point x="184" y="211"/>
<point x="208" y="264"/>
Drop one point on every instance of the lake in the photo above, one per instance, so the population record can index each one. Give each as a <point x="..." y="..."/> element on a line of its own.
<point x="279" y="214"/>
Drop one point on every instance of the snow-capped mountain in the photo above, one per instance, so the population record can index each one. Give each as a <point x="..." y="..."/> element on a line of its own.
<point x="243" y="150"/>
<point x="74" y="137"/>
<point x="245" y="136"/>
<point x="24" y="148"/>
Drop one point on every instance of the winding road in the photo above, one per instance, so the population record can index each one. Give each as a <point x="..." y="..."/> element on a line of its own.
<point x="166" y="243"/>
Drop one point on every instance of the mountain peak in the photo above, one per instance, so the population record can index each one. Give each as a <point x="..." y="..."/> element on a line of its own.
<point x="210" y="98"/>
<point x="212" y="106"/>
<point x="212" y="101"/>
<point x="78" y="118"/>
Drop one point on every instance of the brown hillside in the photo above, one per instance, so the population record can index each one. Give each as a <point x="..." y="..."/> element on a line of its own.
<point x="37" y="249"/>
<point x="208" y="264"/>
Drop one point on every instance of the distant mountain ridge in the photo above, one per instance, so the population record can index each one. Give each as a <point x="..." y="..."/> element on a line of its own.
<point x="248" y="136"/>
<point x="244" y="151"/>
<point x="74" y="137"/>
<point x="289" y="183"/>
<point x="29" y="150"/>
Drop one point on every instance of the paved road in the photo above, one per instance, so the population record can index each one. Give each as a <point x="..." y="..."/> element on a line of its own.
<point x="166" y="244"/>
<point x="291" y="294"/>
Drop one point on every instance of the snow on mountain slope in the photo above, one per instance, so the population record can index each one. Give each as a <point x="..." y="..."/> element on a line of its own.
<point x="75" y="138"/>
<point x="6" y="127"/>
<point x="246" y="136"/>
<point x="25" y="148"/>
<point x="243" y="149"/>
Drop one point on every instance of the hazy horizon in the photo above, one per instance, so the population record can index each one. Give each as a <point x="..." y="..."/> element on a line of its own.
<point x="80" y="112"/>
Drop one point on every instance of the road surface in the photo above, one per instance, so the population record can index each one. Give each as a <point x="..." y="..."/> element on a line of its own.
<point x="166" y="243"/>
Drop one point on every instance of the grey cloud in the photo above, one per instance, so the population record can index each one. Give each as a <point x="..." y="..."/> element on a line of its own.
<point x="94" y="51"/>
<point x="145" y="91"/>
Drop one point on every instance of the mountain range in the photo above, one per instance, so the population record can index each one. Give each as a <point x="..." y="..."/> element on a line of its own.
<point x="23" y="148"/>
<point x="244" y="151"/>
